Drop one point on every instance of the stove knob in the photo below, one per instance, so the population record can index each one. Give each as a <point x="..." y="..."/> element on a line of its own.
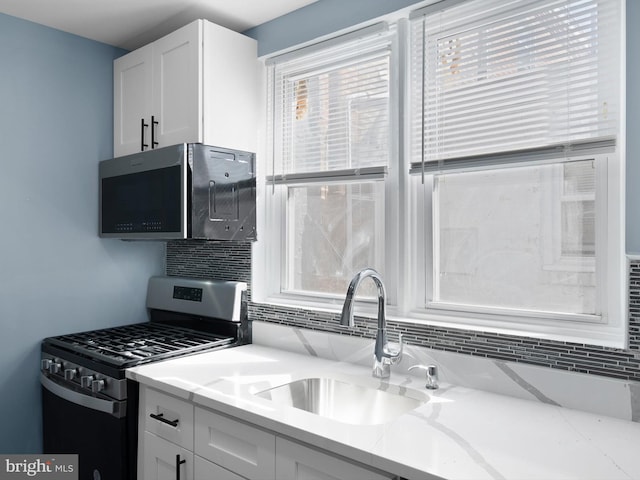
<point x="97" y="386"/>
<point x="70" y="373"/>
<point x="44" y="364"/>
<point x="54" y="367"/>
<point x="86" y="380"/>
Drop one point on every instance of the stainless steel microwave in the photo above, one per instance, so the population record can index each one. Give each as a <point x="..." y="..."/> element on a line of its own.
<point x="188" y="190"/>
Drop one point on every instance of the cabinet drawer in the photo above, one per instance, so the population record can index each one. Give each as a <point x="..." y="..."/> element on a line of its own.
<point x="169" y="418"/>
<point x="206" y="470"/>
<point x="236" y="446"/>
<point x="164" y="460"/>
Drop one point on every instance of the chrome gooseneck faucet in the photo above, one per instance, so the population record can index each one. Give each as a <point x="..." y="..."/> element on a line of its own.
<point x="384" y="356"/>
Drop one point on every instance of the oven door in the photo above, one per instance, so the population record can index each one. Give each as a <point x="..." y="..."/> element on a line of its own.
<point x="97" y="429"/>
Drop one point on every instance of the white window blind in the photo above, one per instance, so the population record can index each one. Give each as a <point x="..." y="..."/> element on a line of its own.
<point x="331" y="108"/>
<point x="495" y="76"/>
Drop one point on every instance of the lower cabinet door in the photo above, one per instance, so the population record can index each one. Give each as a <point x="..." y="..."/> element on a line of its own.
<point x="163" y="460"/>
<point x="206" y="470"/>
<point x="297" y="462"/>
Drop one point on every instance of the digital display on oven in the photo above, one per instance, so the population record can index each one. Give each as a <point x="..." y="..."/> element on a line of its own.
<point x="187" y="293"/>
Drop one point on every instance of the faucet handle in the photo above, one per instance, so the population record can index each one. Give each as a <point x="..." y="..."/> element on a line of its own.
<point x="431" y="372"/>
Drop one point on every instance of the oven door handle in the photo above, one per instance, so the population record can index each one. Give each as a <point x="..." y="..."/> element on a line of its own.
<point x="114" y="408"/>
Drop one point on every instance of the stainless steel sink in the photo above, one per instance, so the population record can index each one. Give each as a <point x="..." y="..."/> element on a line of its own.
<point x="346" y="402"/>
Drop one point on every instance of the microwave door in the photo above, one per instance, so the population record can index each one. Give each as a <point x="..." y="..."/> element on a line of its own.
<point x="145" y="198"/>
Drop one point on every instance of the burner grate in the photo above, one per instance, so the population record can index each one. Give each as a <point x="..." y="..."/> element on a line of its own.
<point x="139" y="343"/>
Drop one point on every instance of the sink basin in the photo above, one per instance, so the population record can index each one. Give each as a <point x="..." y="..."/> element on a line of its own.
<point x="344" y="401"/>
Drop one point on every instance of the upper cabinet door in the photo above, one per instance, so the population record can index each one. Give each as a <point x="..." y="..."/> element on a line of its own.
<point x="132" y="81"/>
<point x="177" y="87"/>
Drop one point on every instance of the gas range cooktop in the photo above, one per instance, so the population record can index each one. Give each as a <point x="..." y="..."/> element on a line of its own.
<point x="131" y="345"/>
<point x="186" y="316"/>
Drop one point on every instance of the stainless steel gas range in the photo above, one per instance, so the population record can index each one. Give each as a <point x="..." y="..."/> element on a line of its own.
<point x="88" y="406"/>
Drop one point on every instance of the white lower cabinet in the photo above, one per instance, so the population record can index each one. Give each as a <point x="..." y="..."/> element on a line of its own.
<point x="179" y="440"/>
<point x="163" y="460"/>
<point x="298" y="462"/>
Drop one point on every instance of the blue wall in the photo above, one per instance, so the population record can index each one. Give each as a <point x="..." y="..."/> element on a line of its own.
<point x="326" y="16"/>
<point x="318" y="19"/>
<point x="633" y="127"/>
<point x="56" y="275"/>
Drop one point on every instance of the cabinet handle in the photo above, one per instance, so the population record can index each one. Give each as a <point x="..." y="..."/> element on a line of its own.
<point x="142" y="127"/>
<point x="153" y="132"/>
<point x="160" y="418"/>
<point x="178" y="463"/>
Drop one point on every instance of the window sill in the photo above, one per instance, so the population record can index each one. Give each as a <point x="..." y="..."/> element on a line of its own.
<point x="571" y="332"/>
<point x="582" y="334"/>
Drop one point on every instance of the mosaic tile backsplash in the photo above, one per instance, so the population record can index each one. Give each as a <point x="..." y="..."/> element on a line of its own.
<point x="232" y="261"/>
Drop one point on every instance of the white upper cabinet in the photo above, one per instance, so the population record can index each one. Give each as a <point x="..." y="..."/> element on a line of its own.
<point x="197" y="84"/>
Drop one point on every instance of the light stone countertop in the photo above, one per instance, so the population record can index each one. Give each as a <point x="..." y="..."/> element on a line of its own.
<point x="460" y="433"/>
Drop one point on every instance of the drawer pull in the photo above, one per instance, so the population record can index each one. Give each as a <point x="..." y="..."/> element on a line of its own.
<point x="160" y="418"/>
<point x="142" y="127"/>
<point x="153" y="132"/>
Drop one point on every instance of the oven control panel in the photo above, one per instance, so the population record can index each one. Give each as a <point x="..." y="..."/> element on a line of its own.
<point x="82" y="378"/>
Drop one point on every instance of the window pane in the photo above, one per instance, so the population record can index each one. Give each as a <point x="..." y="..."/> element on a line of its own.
<point x="333" y="232"/>
<point x="579" y="177"/>
<point x="578" y="228"/>
<point x="340" y="118"/>
<point x="512" y="238"/>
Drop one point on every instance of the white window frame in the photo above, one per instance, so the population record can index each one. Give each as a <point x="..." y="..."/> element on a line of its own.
<point x="269" y="272"/>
